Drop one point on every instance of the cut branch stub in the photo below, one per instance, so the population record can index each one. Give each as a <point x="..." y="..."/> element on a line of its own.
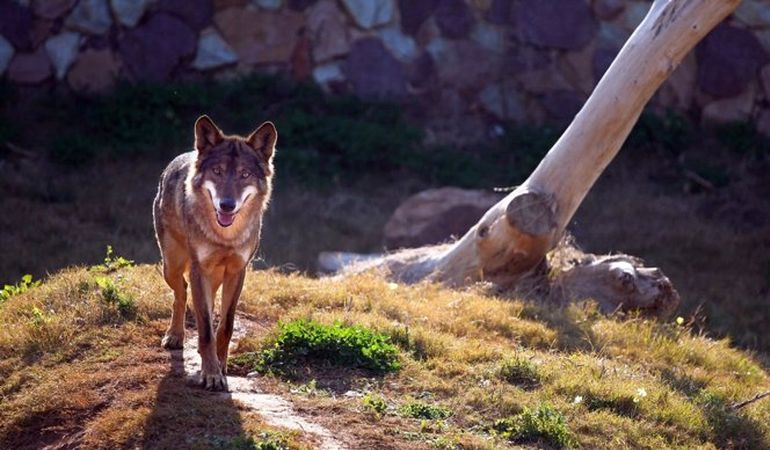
<point x="532" y="213"/>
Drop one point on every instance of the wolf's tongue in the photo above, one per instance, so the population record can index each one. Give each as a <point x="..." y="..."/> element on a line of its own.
<point x="225" y="219"/>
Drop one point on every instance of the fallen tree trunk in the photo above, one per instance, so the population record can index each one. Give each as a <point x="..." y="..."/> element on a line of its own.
<point x="514" y="235"/>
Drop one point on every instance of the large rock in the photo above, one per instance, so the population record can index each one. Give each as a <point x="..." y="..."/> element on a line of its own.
<point x="414" y="13"/>
<point x="52" y="9"/>
<point x="153" y="50"/>
<point x="373" y="71"/>
<point x="128" y="12"/>
<point x="327" y="74"/>
<point x="300" y="5"/>
<point x="730" y="110"/>
<point x="454" y="18"/>
<point x="15" y="24"/>
<point x="608" y="9"/>
<point x="464" y="64"/>
<point x="328" y="33"/>
<point x="728" y="59"/>
<point x="503" y="101"/>
<point x="678" y="90"/>
<point x="30" y="68"/>
<point x="764" y="78"/>
<point x="90" y="16"/>
<point x="435" y="216"/>
<point x="634" y="14"/>
<point x="562" y="105"/>
<point x="95" y="71"/>
<point x="195" y="13"/>
<point x="489" y="37"/>
<point x="370" y="13"/>
<point x="62" y="50"/>
<point x="754" y="13"/>
<point x="6" y="54"/>
<point x="400" y="45"/>
<point x="271" y="5"/>
<point x="213" y="51"/>
<point x="260" y="37"/>
<point x="602" y="60"/>
<point x="562" y="24"/>
<point x="499" y="12"/>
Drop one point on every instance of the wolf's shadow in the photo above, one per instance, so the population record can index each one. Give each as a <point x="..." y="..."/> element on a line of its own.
<point x="186" y="416"/>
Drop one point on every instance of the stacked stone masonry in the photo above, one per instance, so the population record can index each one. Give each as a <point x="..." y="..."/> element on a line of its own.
<point x="532" y="61"/>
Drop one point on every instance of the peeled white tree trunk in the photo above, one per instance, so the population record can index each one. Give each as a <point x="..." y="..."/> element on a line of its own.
<point x="514" y="235"/>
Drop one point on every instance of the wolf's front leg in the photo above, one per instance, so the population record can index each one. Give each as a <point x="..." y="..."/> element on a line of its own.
<point x="212" y="377"/>
<point x="231" y="291"/>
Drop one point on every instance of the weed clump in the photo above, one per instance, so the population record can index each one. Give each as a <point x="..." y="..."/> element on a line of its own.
<point x="420" y="410"/>
<point x="112" y="263"/>
<point x="114" y="297"/>
<point x="543" y="423"/>
<point x="375" y="404"/>
<point x="337" y="344"/>
<point x="519" y="371"/>
<point x="25" y="284"/>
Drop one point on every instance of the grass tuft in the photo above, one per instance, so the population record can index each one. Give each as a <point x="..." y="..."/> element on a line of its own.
<point x="337" y="344"/>
<point x="419" y="410"/>
<point x="519" y="371"/>
<point x="541" y="424"/>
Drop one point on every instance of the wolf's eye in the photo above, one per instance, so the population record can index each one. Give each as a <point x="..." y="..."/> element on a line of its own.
<point x="217" y="170"/>
<point x="245" y="174"/>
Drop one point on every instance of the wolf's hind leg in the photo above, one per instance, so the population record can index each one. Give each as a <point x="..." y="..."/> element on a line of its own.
<point x="174" y="265"/>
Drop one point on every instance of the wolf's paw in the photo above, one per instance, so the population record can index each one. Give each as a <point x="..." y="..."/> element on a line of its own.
<point x="172" y="340"/>
<point x="214" y="381"/>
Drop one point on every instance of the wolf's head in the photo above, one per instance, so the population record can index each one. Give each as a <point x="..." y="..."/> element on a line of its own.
<point x="232" y="173"/>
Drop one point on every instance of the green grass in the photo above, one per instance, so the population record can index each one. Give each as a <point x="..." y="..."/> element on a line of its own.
<point x="419" y="410"/>
<point x="519" y="371"/>
<point x="544" y="423"/>
<point x="302" y="340"/>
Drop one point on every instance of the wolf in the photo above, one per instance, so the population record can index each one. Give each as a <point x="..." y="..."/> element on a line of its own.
<point x="208" y="219"/>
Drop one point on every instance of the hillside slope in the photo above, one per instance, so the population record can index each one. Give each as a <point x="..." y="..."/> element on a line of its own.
<point x="81" y="366"/>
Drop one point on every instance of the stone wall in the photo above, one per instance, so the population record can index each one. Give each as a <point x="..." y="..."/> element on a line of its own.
<point x="467" y="61"/>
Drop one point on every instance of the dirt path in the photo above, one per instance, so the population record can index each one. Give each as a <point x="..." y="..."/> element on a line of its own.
<point x="275" y="410"/>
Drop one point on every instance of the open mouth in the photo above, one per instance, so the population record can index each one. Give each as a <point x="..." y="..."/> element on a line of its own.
<point x="225" y="219"/>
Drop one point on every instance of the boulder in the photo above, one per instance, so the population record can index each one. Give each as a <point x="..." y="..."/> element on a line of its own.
<point x="499" y="12"/>
<point x="764" y="78"/>
<point x="128" y="12"/>
<point x="52" y="9"/>
<point x="763" y="122"/>
<point x="728" y="59"/>
<point x="62" y="50"/>
<point x="414" y="13"/>
<point x="634" y="14"/>
<point x="435" y="216"/>
<point x="213" y="51"/>
<point x="328" y="33"/>
<point x="15" y="24"/>
<point x="730" y="110"/>
<point x="6" y="54"/>
<point x="561" y="24"/>
<point x="271" y="5"/>
<point x="373" y="71"/>
<point x="562" y="105"/>
<point x="754" y="13"/>
<point x="260" y="37"/>
<point x="608" y="9"/>
<point x="370" y="13"/>
<point x="400" y="45"/>
<point x="90" y="16"/>
<point x="454" y="18"/>
<point x="94" y="71"/>
<point x="489" y="37"/>
<point x="503" y="101"/>
<point x="152" y="50"/>
<point x="326" y="74"/>
<point x="30" y="68"/>
<point x="195" y="13"/>
<point x="463" y="63"/>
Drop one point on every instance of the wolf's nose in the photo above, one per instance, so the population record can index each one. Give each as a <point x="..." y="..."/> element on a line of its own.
<point x="227" y="204"/>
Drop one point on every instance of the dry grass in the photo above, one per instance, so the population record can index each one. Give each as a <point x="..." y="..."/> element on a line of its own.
<point x="77" y="371"/>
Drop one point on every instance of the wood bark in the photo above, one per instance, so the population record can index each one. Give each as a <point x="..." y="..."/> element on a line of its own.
<point x="514" y="235"/>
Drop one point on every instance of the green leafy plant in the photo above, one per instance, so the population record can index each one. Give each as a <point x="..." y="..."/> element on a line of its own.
<point x="26" y="283"/>
<point x="543" y="423"/>
<point x="112" y="296"/>
<point x="39" y="317"/>
<point x="112" y="263"/>
<point x="338" y="344"/>
<point x="374" y="403"/>
<point x="420" y="410"/>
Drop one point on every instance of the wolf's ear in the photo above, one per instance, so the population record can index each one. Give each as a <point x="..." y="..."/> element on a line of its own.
<point x="207" y="135"/>
<point x="263" y="139"/>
